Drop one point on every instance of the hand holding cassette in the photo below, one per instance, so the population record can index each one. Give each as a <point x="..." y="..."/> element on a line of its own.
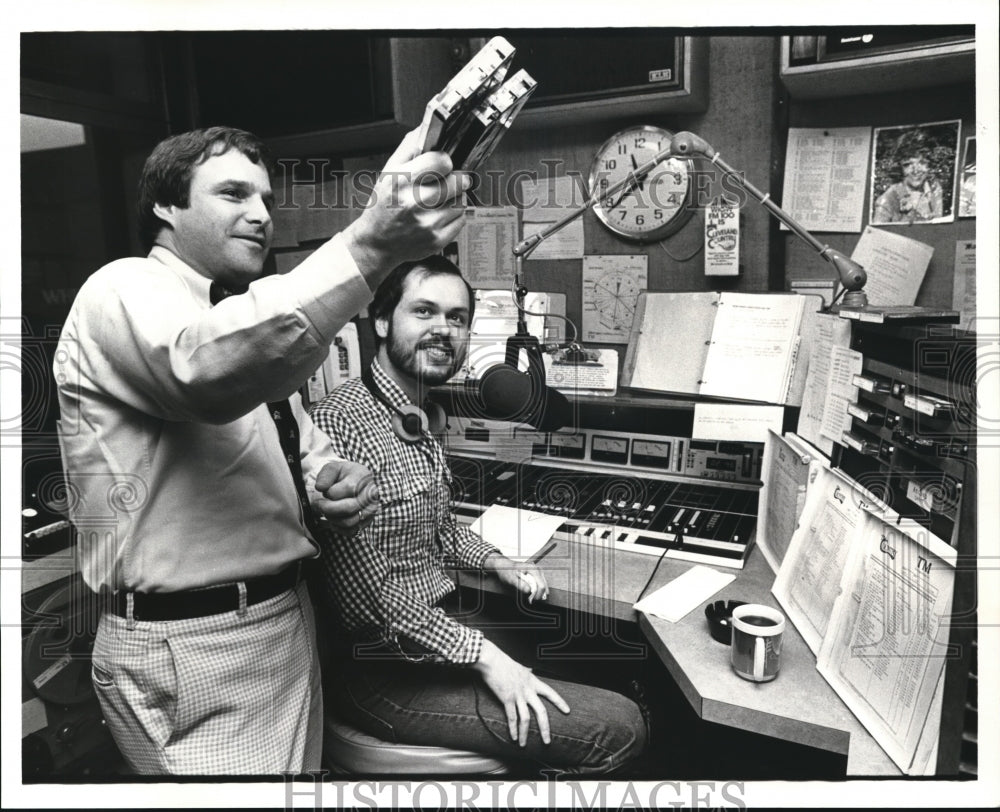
<point x="415" y="209"/>
<point x="469" y="117"/>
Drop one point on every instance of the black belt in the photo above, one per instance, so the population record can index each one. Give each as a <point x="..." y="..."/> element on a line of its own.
<point x="192" y="603"/>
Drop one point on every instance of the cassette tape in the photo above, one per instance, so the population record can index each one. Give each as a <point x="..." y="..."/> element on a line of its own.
<point x="468" y="118"/>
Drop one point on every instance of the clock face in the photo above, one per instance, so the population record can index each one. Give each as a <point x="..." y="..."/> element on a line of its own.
<point x="652" y="208"/>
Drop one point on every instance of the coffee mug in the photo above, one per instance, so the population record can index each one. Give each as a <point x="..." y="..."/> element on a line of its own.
<point x="756" y="646"/>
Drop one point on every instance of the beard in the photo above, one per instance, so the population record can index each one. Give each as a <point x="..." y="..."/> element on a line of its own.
<point x="413" y="361"/>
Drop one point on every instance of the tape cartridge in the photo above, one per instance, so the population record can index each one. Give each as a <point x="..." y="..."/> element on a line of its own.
<point x="469" y="117"/>
<point x="445" y="113"/>
<point x="489" y="122"/>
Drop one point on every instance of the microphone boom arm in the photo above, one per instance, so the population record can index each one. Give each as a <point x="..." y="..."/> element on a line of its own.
<point x="850" y="274"/>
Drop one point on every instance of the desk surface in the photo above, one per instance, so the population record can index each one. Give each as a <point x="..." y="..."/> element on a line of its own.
<point x="798" y="706"/>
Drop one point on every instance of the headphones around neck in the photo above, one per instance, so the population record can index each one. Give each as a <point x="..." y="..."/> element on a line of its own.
<point x="409" y="422"/>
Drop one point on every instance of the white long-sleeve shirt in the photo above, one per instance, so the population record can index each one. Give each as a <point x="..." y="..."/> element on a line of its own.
<point x="176" y="477"/>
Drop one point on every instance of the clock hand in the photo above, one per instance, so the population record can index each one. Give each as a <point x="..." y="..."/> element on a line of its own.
<point x="635" y="166"/>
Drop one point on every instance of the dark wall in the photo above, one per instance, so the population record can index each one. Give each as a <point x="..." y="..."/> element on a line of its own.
<point x="918" y="106"/>
<point x="739" y="122"/>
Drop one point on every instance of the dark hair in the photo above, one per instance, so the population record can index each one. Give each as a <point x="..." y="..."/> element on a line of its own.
<point x="166" y="175"/>
<point x="913" y="144"/>
<point x="391" y="290"/>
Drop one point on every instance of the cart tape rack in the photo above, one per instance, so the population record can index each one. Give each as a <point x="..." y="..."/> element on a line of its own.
<point x="469" y="117"/>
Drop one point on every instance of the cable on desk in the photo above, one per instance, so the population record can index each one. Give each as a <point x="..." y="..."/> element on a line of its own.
<point x="652" y="575"/>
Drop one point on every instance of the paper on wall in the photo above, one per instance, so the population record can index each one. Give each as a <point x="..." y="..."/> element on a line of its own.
<point x="546" y="202"/>
<point x="964" y="290"/>
<point x="485" y="246"/>
<point x="611" y="286"/>
<point x="825" y="177"/>
<point x="895" y="265"/>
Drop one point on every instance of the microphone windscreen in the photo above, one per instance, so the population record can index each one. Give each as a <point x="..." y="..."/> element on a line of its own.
<point x="556" y="411"/>
<point x="507" y="394"/>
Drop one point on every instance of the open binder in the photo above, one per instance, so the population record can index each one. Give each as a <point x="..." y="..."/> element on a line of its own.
<point x="736" y="346"/>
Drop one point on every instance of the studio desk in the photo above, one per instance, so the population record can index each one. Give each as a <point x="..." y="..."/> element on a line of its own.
<point x="630" y="529"/>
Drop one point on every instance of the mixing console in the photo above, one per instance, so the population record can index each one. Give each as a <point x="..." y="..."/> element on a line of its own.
<point x="696" y="521"/>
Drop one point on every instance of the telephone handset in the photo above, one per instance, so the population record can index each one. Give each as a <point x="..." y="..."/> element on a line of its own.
<point x="342" y="364"/>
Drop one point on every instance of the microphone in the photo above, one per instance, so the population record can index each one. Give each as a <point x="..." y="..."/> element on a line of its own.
<point x="506" y="393"/>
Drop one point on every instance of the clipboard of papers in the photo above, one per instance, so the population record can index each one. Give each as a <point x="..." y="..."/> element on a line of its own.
<point x="735" y="346"/>
<point x="870" y="592"/>
<point x="789" y="466"/>
<point x="887" y="641"/>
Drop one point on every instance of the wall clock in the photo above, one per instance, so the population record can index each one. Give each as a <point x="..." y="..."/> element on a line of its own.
<point x="657" y="206"/>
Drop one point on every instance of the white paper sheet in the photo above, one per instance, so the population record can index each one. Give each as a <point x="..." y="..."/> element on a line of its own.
<point x="611" y="286"/>
<point x="845" y="363"/>
<point x="744" y="422"/>
<point x="485" y="246"/>
<point x="753" y="346"/>
<point x="687" y="591"/>
<point x="825" y="331"/>
<point x="808" y="580"/>
<point x="964" y="289"/>
<point x="517" y="533"/>
<point x="895" y="265"/>
<point x="590" y="377"/>
<point x="786" y="472"/>
<point x="825" y="177"/>
<point x="887" y="641"/>
<point x="545" y="203"/>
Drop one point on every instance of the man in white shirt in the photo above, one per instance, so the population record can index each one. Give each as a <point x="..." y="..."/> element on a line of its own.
<point x="195" y="486"/>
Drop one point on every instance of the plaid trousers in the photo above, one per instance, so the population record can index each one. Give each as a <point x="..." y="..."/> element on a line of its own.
<point x="227" y="694"/>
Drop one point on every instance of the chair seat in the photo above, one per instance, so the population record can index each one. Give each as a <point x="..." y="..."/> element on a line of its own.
<point x="349" y="750"/>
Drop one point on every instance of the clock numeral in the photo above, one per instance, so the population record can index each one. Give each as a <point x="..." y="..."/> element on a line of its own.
<point x="674" y="199"/>
<point x="621" y="213"/>
<point x="657" y="214"/>
<point x="640" y="219"/>
<point x="622" y="149"/>
<point x="610" y="164"/>
<point x="640" y="142"/>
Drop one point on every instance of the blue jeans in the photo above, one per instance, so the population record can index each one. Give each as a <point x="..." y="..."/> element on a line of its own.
<point x="450" y="706"/>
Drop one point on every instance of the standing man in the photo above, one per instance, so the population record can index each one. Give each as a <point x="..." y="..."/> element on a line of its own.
<point x="410" y="671"/>
<point x="193" y="480"/>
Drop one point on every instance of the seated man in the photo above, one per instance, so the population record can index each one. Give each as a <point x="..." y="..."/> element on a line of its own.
<point x="410" y="672"/>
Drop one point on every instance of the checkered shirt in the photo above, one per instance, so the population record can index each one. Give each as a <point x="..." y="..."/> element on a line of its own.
<point x="384" y="582"/>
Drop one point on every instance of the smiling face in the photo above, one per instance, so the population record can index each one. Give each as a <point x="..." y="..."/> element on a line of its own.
<point x="915" y="172"/>
<point x="225" y="231"/>
<point x="425" y="338"/>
